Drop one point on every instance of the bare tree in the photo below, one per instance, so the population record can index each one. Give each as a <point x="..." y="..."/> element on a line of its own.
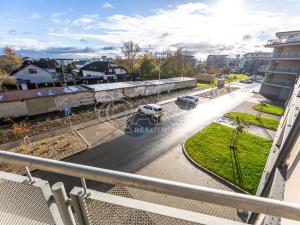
<point x="130" y="50"/>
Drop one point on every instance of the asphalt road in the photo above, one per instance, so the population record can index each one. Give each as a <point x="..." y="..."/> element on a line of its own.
<point x="144" y="140"/>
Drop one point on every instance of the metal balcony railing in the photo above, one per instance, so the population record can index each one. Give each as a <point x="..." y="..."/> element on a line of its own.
<point x="287" y="55"/>
<point x="92" y="207"/>
<point x="287" y="83"/>
<point x="263" y="68"/>
<point x="285" y="69"/>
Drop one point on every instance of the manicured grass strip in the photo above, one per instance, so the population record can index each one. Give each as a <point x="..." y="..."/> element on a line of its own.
<point x="269" y="123"/>
<point x="210" y="148"/>
<point x="202" y="84"/>
<point x="271" y="109"/>
<point x="236" y="77"/>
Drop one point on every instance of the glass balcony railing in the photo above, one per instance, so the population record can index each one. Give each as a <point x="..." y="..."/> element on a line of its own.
<point x="287" y="83"/>
<point x="287" y="55"/>
<point x="263" y="68"/>
<point x="285" y="69"/>
<point x="284" y="41"/>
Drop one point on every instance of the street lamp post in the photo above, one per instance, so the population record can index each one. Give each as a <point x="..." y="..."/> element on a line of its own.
<point x="159" y="78"/>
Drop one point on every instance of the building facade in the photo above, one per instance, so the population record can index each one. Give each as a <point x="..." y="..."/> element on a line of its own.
<point x="215" y="63"/>
<point x="233" y="64"/>
<point x="102" y="70"/>
<point x="36" y="72"/>
<point x="284" y="65"/>
<point x="255" y="63"/>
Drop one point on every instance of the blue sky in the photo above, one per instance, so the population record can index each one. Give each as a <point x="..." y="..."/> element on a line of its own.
<point x="93" y="28"/>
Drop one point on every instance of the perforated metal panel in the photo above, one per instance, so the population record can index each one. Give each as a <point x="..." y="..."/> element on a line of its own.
<point x="97" y="208"/>
<point x="100" y="212"/>
<point x="23" y="203"/>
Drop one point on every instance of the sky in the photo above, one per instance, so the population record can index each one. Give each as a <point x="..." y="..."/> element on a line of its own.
<point x="92" y="28"/>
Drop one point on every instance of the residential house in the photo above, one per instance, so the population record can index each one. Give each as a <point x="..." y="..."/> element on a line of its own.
<point x="102" y="71"/>
<point x="78" y="64"/>
<point x="284" y="67"/>
<point x="36" y="73"/>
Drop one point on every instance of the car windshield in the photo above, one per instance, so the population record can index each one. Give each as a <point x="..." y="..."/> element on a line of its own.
<point x="157" y="109"/>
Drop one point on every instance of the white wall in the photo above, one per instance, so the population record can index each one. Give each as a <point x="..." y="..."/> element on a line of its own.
<point x="86" y="73"/>
<point x="120" y="71"/>
<point x="42" y="76"/>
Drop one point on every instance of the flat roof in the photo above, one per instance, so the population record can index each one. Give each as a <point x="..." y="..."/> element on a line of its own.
<point x="119" y="85"/>
<point x="11" y="96"/>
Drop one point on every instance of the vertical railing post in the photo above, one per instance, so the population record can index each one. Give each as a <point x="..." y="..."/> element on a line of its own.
<point x="63" y="203"/>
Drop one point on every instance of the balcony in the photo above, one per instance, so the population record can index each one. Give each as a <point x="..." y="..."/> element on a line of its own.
<point x="291" y="70"/>
<point x="278" y="82"/>
<point x="263" y="68"/>
<point x="286" y="56"/>
<point x="289" y="41"/>
<point x="29" y="200"/>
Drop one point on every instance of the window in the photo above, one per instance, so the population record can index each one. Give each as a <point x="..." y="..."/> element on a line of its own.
<point x="32" y="71"/>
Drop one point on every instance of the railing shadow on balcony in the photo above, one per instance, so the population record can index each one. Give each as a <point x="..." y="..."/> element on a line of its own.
<point x="90" y="207"/>
<point x="286" y="83"/>
<point x="284" y="69"/>
<point x="287" y="55"/>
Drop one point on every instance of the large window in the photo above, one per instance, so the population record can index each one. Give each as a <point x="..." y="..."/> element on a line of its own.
<point x="32" y="71"/>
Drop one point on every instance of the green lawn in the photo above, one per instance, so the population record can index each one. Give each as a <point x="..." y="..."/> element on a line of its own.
<point x="235" y="77"/>
<point x="211" y="149"/>
<point x="267" y="108"/>
<point x="269" y="123"/>
<point x="207" y="84"/>
<point x="231" y="78"/>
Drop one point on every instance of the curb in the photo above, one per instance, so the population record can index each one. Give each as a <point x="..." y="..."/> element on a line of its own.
<point x="77" y="132"/>
<point x="217" y="177"/>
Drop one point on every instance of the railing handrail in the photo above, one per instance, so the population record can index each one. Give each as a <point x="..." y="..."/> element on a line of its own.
<point x="200" y="193"/>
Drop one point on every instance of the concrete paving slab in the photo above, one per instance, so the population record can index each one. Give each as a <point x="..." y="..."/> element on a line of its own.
<point x="99" y="133"/>
<point x="174" y="166"/>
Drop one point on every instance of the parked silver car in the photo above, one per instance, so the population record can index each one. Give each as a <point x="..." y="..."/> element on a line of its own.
<point x="188" y="99"/>
<point x="153" y="110"/>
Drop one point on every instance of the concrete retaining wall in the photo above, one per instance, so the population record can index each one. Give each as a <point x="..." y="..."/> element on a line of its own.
<point x="135" y="91"/>
<point x="109" y="95"/>
<point x="13" y="109"/>
<point x="45" y="104"/>
<point x="40" y="105"/>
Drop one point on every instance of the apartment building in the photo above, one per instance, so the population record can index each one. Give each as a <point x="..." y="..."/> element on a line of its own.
<point x="215" y="63"/>
<point x="234" y="64"/>
<point x="284" y="65"/>
<point x="255" y="63"/>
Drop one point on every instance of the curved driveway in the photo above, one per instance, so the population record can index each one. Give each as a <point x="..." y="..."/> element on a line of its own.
<point x="131" y="152"/>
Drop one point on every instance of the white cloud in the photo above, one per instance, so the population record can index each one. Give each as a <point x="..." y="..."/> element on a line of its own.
<point x="107" y="5"/>
<point x="34" y="16"/>
<point x="222" y="27"/>
<point x="86" y="21"/>
<point x="27" y="43"/>
<point x="56" y="18"/>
